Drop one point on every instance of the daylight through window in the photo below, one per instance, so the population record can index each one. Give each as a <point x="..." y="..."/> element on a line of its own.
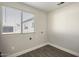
<point x="16" y="21"/>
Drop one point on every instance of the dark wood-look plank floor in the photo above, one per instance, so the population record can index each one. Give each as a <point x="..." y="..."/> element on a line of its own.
<point x="47" y="51"/>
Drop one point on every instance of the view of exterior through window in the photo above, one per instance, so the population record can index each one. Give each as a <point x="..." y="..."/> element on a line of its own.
<point x="16" y="21"/>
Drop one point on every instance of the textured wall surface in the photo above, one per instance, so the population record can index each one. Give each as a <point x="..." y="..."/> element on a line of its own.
<point x="13" y="43"/>
<point x="63" y="27"/>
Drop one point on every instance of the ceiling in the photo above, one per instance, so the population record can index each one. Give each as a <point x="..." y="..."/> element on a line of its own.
<point x="46" y="6"/>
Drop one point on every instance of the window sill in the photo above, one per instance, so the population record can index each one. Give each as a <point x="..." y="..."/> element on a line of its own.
<point x="16" y="33"/>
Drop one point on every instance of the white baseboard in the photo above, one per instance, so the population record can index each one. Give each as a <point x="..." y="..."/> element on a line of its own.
<point x="64" y="49"/>
<point x="27" y="50"/>
<point x="31" y="49"/>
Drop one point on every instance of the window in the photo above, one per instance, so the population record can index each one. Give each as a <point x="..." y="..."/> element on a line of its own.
<point x="11" y="20"/>
<point x="28" y="21"/>
<point x="16" y="21"/>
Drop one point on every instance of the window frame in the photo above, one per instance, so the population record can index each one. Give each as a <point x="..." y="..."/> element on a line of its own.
<point x="21" y="22"/>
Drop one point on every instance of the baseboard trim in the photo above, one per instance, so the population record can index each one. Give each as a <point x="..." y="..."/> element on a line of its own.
<point x="64" y="49"/>
<point x="39" y="46"/>
<point x="27" y="50"/>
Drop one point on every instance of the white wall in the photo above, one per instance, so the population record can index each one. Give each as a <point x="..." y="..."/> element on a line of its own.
<point x="14" y="43"/>
<point x="0" y="29"/>
<point x="63" y="30"/>
<point x="63" y="27"/>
